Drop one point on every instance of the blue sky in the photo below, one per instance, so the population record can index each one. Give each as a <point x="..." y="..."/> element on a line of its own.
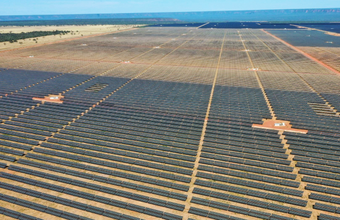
<point x="41" y="7"/>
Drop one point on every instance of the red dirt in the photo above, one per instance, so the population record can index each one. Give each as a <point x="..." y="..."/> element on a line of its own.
<point x="50" y="98"/>
<point x="274" y="125"/>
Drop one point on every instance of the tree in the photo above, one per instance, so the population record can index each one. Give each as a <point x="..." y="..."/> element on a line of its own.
<point x="14" y="37"/>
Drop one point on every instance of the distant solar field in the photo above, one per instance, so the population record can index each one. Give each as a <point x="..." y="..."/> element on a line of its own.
<point x="157" y="123"/>
<point x="333" y="27"/>
<point x="253" y="25"/>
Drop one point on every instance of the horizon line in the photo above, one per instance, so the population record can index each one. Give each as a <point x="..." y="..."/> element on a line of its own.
<point x="176" y="12"/>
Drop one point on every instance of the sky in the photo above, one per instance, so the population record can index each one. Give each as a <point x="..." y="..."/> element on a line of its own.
<point x="46" y="7"/>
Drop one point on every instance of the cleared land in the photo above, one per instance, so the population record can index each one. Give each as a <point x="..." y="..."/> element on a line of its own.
<point x="75" y="32"/>
<point x="168" y="133"/>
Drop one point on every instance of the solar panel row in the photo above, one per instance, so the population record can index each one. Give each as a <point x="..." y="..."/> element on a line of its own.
<point x="138" y="140"/>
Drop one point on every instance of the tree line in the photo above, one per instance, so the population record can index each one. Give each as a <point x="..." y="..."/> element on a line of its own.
<point x="14" y="37"/>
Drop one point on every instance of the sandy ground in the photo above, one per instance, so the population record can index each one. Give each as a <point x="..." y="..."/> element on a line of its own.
<point x="333" y="34"/>
<point x="75" y="31"/>
<point x="326" y="32"/>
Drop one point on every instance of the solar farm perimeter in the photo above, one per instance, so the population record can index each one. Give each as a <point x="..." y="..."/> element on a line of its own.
<point x="168" y="123"/>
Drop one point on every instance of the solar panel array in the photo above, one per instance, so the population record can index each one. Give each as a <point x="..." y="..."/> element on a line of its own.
<point x="156" y="123"/>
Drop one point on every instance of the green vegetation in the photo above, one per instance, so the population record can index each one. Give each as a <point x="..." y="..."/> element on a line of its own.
<point x="14" y="37"/>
